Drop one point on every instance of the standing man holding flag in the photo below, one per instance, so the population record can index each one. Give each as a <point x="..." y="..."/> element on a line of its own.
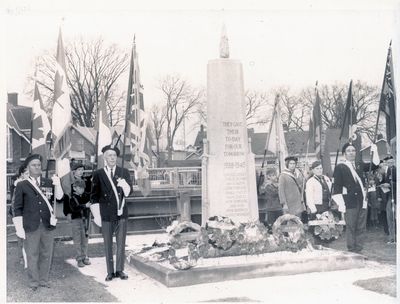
<point x="35" y="220"/>
<point x="111" y="185"/>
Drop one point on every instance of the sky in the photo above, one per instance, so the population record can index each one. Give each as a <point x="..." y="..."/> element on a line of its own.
<point x="293" y="43"/>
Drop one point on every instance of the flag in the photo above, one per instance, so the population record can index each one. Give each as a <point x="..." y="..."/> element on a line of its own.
<point x="102" y="126"/>
<point x="137" y="118"/>
<point x="276" y="139"/>
<point x="61" y="118"/>
<point x="349" y="127"/>
<point x="315" y="128"/>
<point x="387" y="104"/>
<point x="40" y="126"/>
<point x="137" y="127"/>
<point x="325" y="156"/>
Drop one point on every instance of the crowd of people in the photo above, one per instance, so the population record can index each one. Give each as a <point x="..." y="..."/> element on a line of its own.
<point x="361" y="192"/>
<point x="32" y="203"/>
<point x="365" y="194"/>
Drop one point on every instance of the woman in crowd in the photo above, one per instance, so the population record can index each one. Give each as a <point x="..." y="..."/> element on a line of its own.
<point x="318" y="190"/>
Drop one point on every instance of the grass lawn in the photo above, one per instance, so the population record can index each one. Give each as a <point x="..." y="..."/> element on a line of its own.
<point x="67" y="283"/>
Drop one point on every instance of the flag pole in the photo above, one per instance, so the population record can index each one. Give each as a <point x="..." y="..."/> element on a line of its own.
<point x="379" y="110"/>
<point x="128" y="102"/>
<point x="267" y="143"/>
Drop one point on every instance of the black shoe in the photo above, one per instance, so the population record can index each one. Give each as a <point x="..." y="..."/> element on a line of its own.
<point x="121" y="275"/>
<point x="109" y="277"/>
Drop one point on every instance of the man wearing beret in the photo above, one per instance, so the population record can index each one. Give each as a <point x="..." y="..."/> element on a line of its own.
<point x="349" y="193"/>
<point x="35" y="219"/>
<point x="290" y="188"/>
<point x="111" y="185"/>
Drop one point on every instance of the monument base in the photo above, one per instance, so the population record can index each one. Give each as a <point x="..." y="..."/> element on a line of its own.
<point x="248" y="267"/>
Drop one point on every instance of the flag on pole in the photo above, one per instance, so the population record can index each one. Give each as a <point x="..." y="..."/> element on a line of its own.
<point x="137" y="127"/>
<point x="137" y="119"/>
<point x="102" y="126"/>
<point x="387" y="104"/>
<point x="315" y="128"/>
<point x="348" y="132"/>
<point x="40" y="126"/>
<point x="276" y="139"/>
<point x="61" y="118"/>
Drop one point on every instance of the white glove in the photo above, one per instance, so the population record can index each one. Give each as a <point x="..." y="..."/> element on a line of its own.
<point x="58" y="191"/>
<point x="19" y="228"/>
<point x="338" y="198"/>
<point x="56" y="180"/>
<point x="375" y="155"/>
<point x="124" y="185"/>
<point x="95" y="210"/>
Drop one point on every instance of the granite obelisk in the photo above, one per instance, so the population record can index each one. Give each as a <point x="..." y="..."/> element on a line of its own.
<point x="229" y="177"/>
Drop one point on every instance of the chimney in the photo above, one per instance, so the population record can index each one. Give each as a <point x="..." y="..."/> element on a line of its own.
<point x="13" y="99"/>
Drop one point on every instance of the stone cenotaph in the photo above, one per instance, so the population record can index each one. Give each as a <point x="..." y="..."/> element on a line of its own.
<point x="228" y="166"/>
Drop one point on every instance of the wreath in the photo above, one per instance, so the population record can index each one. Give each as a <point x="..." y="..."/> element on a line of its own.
<point x="327" y="227"/>
<point x="288" y="232"/>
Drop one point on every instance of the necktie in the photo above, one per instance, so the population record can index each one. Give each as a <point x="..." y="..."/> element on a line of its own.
<point x="37" y="182"/>
<point x="112" y="173"/>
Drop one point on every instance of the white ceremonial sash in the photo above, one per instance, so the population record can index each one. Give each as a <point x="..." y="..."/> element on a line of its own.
<point x="358" y="178"/>
<point x="42" y="195"/>
<point x="119" y="210"/>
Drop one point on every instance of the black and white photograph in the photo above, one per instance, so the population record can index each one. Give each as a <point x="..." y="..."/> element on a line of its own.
<point x="220" y="151"/>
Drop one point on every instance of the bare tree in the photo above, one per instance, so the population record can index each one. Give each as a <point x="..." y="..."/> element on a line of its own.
<point x="90" y="66"/>
<point x="256" y="101"/>
<point x="158" y="119"/>
<point x="181" y="101"/>
<point x="295" y="111"/>
<point x="333" y="104"/>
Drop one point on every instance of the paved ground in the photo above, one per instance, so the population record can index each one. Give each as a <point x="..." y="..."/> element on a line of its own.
<point x="72" y="284"/>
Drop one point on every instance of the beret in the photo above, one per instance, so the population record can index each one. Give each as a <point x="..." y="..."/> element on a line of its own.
<point x="345" y="146"/>
<point x="315" y="164"/>
<point x="76" y="165"/>
<point x="32" y="157"/>
<point x="110" y="147"/>
<point x="291" y="158"/>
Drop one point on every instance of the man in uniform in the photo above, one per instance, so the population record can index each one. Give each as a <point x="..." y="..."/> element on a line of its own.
<point x="35" y="219"/>
<point x="110" y="186"/>
<point x="349" y="194"/>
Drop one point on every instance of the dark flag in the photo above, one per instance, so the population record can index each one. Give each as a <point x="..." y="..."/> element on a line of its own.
<point x="315" y="128"/>
<point x="348" y="133"/>
<point x="387" y="104"/>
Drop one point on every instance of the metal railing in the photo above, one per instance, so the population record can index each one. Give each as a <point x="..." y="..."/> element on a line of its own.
<point x="173" y="178"/>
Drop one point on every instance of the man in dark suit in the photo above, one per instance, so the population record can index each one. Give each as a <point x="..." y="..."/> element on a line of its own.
<point x="388" y="186"/>
<point x="111" y="185"/>
<point x="35" y="220"/>
<point x="350" y="195"/>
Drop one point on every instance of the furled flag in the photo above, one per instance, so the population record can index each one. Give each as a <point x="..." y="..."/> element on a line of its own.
<point x="61" y="118"/>
<point x="315" y="128"/>
<point x="387" y="104"/>
<point x="276" y="139"/>
<point x="40" y="126"/>
<point x="349" y="131"/>
<point x="349" y="120"/>
<point x="136" y="127"/>
<point x="102" y="126"/>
